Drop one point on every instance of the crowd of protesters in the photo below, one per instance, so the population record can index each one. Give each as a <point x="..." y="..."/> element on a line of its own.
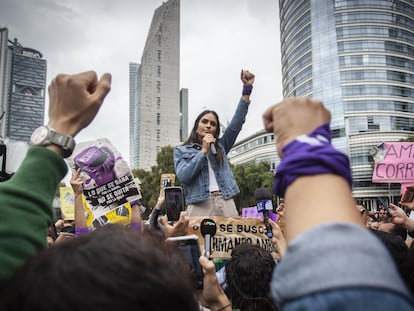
<point x="332" y="261"/>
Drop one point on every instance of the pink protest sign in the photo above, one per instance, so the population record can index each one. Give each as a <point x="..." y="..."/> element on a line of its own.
<point x="394" y="162"/>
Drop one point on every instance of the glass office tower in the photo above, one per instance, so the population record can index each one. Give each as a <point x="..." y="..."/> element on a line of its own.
<point x="357" y="56"/>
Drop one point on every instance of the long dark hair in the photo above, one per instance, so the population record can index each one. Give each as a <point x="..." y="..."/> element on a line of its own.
<point x="193" y="138"/>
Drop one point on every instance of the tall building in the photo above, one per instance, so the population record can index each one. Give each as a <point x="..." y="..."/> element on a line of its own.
<point x="157" y="117"/>
<point x="22" y="91"/>
<point x="358" y="57"/>
<point x="134" y="91"/>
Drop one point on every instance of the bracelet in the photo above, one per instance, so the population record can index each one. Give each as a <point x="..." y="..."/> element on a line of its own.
<point x="81" y="230"/>
<point x="224" y="308"/>
<point x="310" y="154"/>
<point x="247" y="89"/>
<point x="135" y="226"/>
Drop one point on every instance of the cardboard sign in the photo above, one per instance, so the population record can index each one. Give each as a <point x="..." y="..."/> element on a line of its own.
<point x="67" y="203"/>
<point x="394" y="162"/>
<point x="232" y="231"/>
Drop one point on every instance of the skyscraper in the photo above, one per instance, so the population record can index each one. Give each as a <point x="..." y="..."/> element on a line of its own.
<point x="358" y="58"/>
<point x="157" y="99"/>
<point x="22" y="90"/>
<point x="134" y="91"/>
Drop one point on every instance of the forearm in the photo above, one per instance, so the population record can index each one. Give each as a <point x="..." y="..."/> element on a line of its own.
<point x="409" y="224"/>
<point x="323" y="198"/>
<point x="236" y="124"/>
<point x="26" y="203"/>
<point x="80" y="219"/>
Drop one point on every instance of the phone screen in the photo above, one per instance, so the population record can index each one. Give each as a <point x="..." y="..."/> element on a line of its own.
<point x="174" y="202"/>
<point x="191" y="250"/>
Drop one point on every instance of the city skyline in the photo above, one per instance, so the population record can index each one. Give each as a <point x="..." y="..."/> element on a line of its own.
<point x="218" y="39"/>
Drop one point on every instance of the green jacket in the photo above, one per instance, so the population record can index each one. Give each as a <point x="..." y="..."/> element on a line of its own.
<point x="26" y="208"/>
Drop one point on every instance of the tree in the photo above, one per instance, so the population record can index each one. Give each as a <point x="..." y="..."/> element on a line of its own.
<point x="249" y="177"/>
<point x="150" y="180"/>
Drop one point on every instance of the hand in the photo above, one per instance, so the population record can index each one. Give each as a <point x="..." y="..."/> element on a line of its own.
<point x="290" y="119"/>
<point x="213" y="295"/>
<point x="400" y="218"/>
<point x="59" y="224"/>
<point x="410" y="205"/>
<point x="74" y="100"/>
<point x="278" y="238"/>
<point x="77" y="182"/>
<point x="180" y="227"/>
<point x="207" y="140"/>
<point x="247" y="77"/>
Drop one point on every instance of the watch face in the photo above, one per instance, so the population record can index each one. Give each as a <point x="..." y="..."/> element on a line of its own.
<point x="39" y="136"/>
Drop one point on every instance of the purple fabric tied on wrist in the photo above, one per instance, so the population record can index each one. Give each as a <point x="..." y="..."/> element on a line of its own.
<point x="310" y="154"/>
<point x="81" y="230"/>
<point x="247" y="89"/>
<point x="135" y="226"/>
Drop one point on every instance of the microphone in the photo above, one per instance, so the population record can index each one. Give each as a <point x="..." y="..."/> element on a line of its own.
<point x="264" y="204"/>
<point x="213" y="149"/>
<point x="208" y="230"/>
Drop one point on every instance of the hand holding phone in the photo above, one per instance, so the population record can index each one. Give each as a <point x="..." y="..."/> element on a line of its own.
<point x="190" y="248"/>
<point x="174" y="202"/>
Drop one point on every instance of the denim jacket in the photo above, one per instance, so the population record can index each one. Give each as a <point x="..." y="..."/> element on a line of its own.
<point x="191" y="166"/>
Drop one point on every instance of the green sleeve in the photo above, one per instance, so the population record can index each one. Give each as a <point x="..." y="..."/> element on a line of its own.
<point x="26" y="208"/>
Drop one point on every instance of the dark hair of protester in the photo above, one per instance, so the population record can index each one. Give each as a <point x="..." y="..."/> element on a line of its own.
<point x="248" y="276"/>
<point x="399" y="252"/>
<point x="111" y="268"/>
<point x="194" y="137"/>
<point x="400" y="232"/>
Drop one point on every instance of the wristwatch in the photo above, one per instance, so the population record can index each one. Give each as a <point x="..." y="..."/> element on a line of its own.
<point x="44" y="135"/>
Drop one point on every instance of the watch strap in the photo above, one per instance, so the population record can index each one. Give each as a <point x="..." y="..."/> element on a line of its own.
<point x="66" y="142"/>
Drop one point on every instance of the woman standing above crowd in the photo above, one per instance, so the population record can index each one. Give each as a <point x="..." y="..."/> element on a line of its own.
<point x="201" y="163"/>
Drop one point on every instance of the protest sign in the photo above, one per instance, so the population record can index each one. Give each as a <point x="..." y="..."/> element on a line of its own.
<point x="167" y="180"/>
<point x="232" y="231"/>
<point x="66" y="203"/>
<point x="109" y="187"/>
<point x="394" y="162"/>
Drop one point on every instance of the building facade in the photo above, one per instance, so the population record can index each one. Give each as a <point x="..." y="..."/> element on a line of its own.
<point x="358" y="58"/>
<point x="22" y="91"/>
<point x="259" y="147"/>
<point x="134" y="91"/>
<point x="157" y="99"/>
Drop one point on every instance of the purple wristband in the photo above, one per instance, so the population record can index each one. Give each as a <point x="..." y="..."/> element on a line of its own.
<point x="310" y="154"/>
<point x="81" y="230"/>
<point x="247" y="89"/>
<point x="135" y="226"/>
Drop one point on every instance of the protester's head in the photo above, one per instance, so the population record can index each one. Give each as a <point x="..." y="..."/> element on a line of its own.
<point x="398" y="231"/>
<point x="111" y="268"/>
<point x="204" y="119"/>
<point x="382" y="214"/>
<point x="399" y="252"/>
<point x="248" y="276"/>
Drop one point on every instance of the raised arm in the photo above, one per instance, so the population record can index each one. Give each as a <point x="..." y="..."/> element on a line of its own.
<point x="26" y="199"/>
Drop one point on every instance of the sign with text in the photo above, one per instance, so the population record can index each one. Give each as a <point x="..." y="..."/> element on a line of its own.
<point x="232" y="231"/>
<point x="67" y="203"/>
<point x="109" y="185"/>
<point x="394" y="162"/>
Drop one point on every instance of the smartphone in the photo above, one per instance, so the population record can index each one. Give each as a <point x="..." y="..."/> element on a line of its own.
<point x="190" y="247"/>
<point x="408" y="195"/>
<point x="174" y="202"/>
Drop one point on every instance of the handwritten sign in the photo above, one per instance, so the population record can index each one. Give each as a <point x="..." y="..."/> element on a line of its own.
<point x="394" y="163"/>
<point x="66" y="203"/>
<point x="232" y="231"/>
